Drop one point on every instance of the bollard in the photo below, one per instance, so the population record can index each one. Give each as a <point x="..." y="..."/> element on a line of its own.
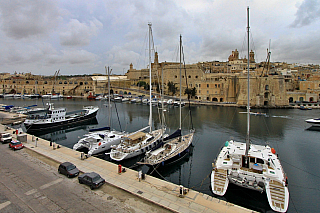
<point x="181" y="191"/>
<point x="53" y="145"/>
<point x="139" y="175"/>
<point x="50" y="143"/>
<point x="82" y="155"/>
<point x="119" y="169"/>
<point x="32" y="138"/>
<point x="36" y="142"/>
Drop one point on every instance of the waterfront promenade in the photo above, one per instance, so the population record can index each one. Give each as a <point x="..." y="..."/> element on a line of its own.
<point x="152" y="189"/>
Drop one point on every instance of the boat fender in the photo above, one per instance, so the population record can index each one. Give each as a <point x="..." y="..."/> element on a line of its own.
<point x="273" y="151"/>
<point x="286" y="184"/>
<point x="99" y="144"/>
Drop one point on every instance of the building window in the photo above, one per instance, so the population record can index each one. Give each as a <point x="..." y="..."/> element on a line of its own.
<point x="14" y="82"/>
<point x="60" y="82"/>
<point x="196" y="76"/>
<point x="215" y="86"/>
<point x="65" y="82"/>
<point x="207" y="85"/>
<point x="70" y="82"/>
<point x="27" y="82"/>
<point x="85" y="83"/>
<point x="45" y="82"/>
<point x="189" y="76"/>
<point x="267" y="87"/>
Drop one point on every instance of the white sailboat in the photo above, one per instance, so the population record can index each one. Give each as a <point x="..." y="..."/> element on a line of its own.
<point x="139" y="142"/>
<point x="251" y="166"/>
<point x="173" y="149"/>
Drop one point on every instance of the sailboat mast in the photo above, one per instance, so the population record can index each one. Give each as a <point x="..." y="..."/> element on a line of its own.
<point x="150" y="86"/>
<point x="248" y="93"/>
<point x="109" y="106"/>
<point x="180" y="79"/>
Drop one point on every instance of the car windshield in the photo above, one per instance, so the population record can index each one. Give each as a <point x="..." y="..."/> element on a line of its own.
<point x="16" y="143"/>
<point x="70" y="167"/>
<point x="96" y="178"/>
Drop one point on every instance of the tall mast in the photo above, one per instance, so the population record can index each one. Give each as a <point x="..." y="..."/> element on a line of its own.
<point x="109" y="97"/>
<point x="248" y="93"/>
<point x="150" y="86"/>
<point x="180" y="78"/>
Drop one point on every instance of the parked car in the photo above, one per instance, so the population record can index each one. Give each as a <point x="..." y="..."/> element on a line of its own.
<point x="68" y="169"/>
<point x="15" y="144"/>
<point x="5" y="137"/>
<point x="91" y="179"/>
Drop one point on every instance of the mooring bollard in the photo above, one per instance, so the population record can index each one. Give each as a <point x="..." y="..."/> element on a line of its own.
<point x="119" y="169"/>
<point x="181" y="191"/>
<point x="139" y="175"/>
<point x="82" y="155"/>
<point x="36" y="142"/>
<point x="53" y="145"/>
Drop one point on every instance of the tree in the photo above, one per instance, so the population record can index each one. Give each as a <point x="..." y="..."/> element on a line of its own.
<point x="172" y="87"/>
<point x="141" y="84"/>
<point x="190" y="92"/>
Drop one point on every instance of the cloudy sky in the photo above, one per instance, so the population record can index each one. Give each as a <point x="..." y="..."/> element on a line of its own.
<point x="82" y="37"/>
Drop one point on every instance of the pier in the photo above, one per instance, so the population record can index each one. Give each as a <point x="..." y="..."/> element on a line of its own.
<point x="159" y="192"/>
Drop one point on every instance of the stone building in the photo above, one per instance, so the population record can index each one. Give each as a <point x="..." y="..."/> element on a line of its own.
<point x="219" y="81"/>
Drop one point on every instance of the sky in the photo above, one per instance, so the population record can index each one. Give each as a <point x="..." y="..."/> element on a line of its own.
<point x="83" y="37"/>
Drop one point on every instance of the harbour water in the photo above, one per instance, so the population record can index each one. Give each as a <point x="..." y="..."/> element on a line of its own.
<point x="284" y="129"/>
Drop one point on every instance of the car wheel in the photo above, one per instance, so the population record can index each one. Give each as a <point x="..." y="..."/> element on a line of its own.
<point x="80" y="181"/>
<point x="59" y="171"/>
<point x="68" y="176"/>
<point x="91" y="187"/>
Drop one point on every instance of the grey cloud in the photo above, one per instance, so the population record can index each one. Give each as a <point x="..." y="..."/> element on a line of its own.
<point x="28" y="18"/>
<point x="308" y="12"/>
<point x="79" y="34"/>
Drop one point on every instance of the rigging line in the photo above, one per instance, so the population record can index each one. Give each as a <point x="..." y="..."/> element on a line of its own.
<point x="185" y="74"/>
<point x="118" y="116"/>
<point x="201" y="183"/>
<point x="304" y="187"/>
<point x="291" y="201"/>
<point x="301" y="169"/>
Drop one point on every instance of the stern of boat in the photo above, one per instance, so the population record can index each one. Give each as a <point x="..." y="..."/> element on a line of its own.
<point x="219" y="181"/>
<point x="278" y="195"/>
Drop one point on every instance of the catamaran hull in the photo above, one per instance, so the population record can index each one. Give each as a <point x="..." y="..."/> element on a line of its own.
<point x="45" y="126"/>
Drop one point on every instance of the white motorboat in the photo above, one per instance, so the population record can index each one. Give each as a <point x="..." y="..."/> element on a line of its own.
<point x="99" y="141"/>
<point x="251" y="166"/>
<point x="11" y="95"/>
<point x="314" y="122"/>
<point x="170" y="102"/>
<point x="125" y="99"/>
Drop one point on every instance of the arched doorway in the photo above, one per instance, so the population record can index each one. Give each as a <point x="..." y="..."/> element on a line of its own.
<point x="311" y="99"/>
<point x="290" y="99"/>
<point x="214" y="99"/>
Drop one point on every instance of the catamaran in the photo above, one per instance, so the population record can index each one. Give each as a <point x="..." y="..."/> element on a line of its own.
<point x="251" y="166"/>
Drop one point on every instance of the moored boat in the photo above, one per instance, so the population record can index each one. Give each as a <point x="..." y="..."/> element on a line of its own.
<point x="251" y="166"/>
<point x="58" y="117"/>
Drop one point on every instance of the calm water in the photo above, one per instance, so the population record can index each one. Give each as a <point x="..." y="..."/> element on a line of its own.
<point x="285" y="130"/>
